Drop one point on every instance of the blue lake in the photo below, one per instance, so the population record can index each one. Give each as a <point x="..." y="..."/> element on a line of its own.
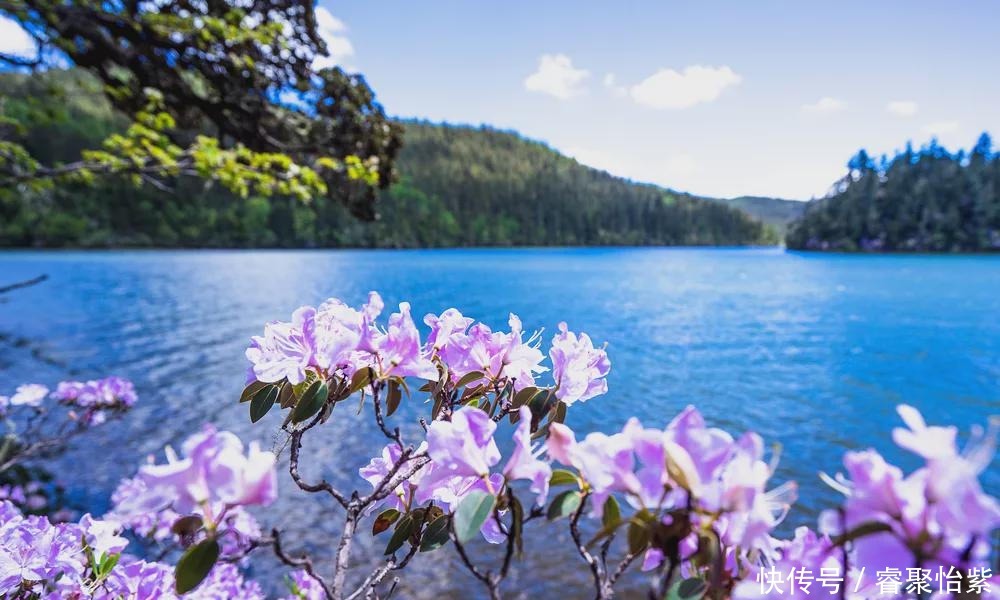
<point x="812" y="351"/>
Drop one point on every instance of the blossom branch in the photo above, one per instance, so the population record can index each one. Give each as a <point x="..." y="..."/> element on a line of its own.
<point x="293" y="467"/>
<point x="601" y="584"/>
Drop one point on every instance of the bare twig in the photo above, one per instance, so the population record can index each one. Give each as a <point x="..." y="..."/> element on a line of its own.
<point x="23" y="284"/>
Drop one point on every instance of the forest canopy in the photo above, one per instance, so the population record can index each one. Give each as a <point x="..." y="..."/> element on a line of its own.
<point x="927" y="200"/>
<point x="236" y="92"/>
<point x="458" y="186"/>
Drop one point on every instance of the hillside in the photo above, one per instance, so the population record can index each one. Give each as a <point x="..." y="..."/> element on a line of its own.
<point x="772" y="211"/>
<point x="919" y="201"/>
<point x="458" y="186"/>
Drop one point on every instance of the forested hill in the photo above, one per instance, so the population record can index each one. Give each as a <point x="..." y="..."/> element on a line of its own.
<point x="924" y="201"/>
<point x="773" y="211"/>
<point x="500" y="189"/>
<point x="459" y="186"/>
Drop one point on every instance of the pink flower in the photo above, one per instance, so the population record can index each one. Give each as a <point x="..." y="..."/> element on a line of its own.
<point x="579" y="368"/>
<point x="464" y="445"/>
<point x="400" y="350"/>
<point x="379" y="468"/>
<point x="285" y="350"/>
<point x="444" y="328"/>
<point x="524" y="463"/>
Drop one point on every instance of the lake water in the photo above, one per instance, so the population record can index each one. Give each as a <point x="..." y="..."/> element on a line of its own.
<point x="812" y="351"/>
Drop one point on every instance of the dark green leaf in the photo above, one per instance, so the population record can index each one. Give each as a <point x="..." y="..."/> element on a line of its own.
<point x="521" y="398"/>
<point x="194" y="565"/>
<point x="404" y="529"/>
<point x="361" y="378"/>
<point x="517" y="522"/>
<point x="435" y="535"/>
<point x="262" y="403"/>
<point x="384" y="520"/>
<point x="286" y="398"/>
<point x="563" y="477"/>
<point x="251" y="390"/>
<point x="392" y="398"/>
<point x="469" y="378"/>
<point x="187" y="525"/>
<point x="299" y="388"/>
<point x="560" y="412"/>
<point x="472" y="512"/>
<point x="312" y="400"/>
<point x="564" y="504"/>
<point x="638" y="537"/>
<point x="612" y="513"/>
<point x="691" y="588"/>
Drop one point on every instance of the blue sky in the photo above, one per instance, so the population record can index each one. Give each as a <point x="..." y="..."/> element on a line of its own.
<point x="717" y="98"/>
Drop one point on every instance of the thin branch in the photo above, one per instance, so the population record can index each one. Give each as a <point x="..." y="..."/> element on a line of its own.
<point x="293" y="470"/>
<point x="596" y="570"/>
<point x="23" y="284"/>
<point x="303" y="562"/>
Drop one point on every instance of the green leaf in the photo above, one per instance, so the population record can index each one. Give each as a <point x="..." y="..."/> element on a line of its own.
<point x="472" y="512"/>
<point x="300" y="388"/>
<point x="404" y="529"/>
<point x="436" y="534"/>
<point x="286" y="398"/>
<point x="195" y="564"/>
<point x="187" y="525"/>
<point x="251" y="390"/>
<point x="262" y="403"/>
<point x="469" y="378"/>
<point x="521" y="398"/>
<point x="612" y="513"/>
<point x="638" y="537"/>
<point x="361" y="378"/>
<point x="107" y="563"/>
<point x="312" y="400"/>
<point x="384" y="520"/>
<point x="516" y="522"/>
<point x="564" y="505"/>
<point x="563" y="477"/>
<point x="691" y="588"/>
<point x="560" y="413"/>
<point x="392" y="398"/>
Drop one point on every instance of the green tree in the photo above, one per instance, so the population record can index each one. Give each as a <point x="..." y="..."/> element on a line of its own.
<point x="221" y="90"/>
<point x="926" y="200"/>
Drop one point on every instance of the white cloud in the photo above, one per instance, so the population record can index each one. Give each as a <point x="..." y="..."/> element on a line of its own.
<point x="332" y="30"/>
<point x="14" y="39"/>
<point x="556" y="76"/>
<point x="940" y="127"/>
<point x="669" y="89"/>
<point x="611" y="82"/>
<point x="825" y="105"/>
<point x="902" y="108"/>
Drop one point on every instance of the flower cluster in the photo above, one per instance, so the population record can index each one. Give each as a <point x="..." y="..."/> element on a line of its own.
<point x="95" y="399"/>
<point x="936" y="516"/>
<point x="462" y="454"/>
<point x="86" y="560"/>
<point x="28" y="394"/>
<point x="936" y="519"/>
<point x="686" y="472"/>
<point x="209" y="485"/>
<point x="334" y="338"/>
